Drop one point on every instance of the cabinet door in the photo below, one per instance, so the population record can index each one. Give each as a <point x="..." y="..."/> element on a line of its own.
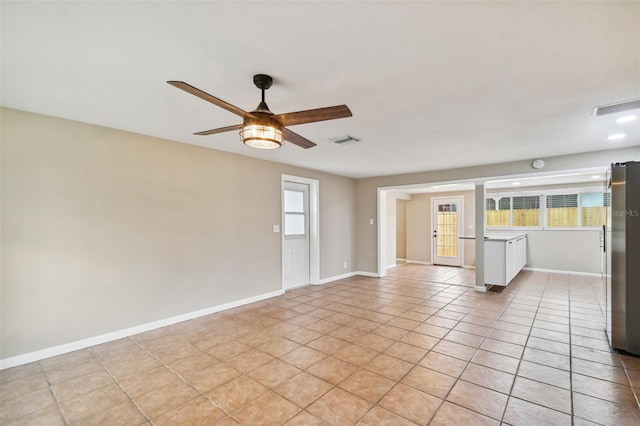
<point x="522" y="253"/>
<point x="510" y="260"/>
<point x="495" y="269"/>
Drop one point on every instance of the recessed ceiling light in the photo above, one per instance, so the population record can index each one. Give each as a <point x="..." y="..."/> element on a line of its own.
<point x="515" y="183"/>
<point x="626" y="119"/>
<point x="616" y="136"/>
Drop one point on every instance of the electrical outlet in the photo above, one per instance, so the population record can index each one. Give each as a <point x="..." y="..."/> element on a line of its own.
<point x="345" y="265"/>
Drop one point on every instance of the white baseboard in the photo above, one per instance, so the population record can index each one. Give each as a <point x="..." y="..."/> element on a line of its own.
<point x="367" y="274"/>
<point x="392" y="266"/>
<point x="420" y="262"/>
<point x="108" y="337"/>
<point x="469" y="266"/>
<point x="400" y="260"/>
<point x="347" y="275"/>
<point x="336" y="278"/>
<point x="555" y="271"/>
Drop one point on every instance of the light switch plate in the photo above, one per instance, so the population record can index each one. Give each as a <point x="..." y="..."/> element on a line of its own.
<point x="276" y="228"/>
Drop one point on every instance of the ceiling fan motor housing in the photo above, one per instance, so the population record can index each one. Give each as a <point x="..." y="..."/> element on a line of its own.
<point x="262" y="81"/>
<point x="261" y="117"/>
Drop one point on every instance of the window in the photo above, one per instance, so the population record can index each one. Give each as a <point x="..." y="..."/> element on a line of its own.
<point x="447" y="240"/>
<point x="499" y="211"/>
<point x="594" y="208"/>
<point x="294" y="217"/>
<point x="513" y="211"/>
<point x="526" y="211"/>
<point x="561" y="210"/>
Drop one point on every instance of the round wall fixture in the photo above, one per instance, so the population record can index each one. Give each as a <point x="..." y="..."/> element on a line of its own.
<point x="538" y="164"/>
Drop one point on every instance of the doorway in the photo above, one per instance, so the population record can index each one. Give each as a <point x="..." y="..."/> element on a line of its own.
<point x="300" y="246"/>
<point x="446" y="214"/>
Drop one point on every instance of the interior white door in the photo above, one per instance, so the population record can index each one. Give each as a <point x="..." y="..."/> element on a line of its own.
<point x="446" y="226"/>
<point x="295" y="244"/>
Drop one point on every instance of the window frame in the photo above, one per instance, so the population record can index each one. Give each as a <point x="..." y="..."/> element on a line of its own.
<point x="303" y="213"/>
<point x="542" y="194"/>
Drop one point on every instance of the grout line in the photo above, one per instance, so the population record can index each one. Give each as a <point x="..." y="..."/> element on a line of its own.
<point x="118" y="383"/>
<point x="395" y="295"/>
<point x="53" y="395"/>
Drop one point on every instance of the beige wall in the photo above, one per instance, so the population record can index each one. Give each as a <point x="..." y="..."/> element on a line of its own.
<point x="366" y="242"/>
<point x="419" y="229"/>
<point x="104" y="230"/>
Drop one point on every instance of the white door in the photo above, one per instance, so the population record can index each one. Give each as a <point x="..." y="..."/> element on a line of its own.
<point x="295" y="244"/>
<point x="446" y="226"/>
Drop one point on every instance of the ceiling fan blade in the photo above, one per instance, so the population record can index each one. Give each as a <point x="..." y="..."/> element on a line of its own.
<point x="313" y="115"/>
<point x="209" y="98"/>
<point x="296" y="139"/>
<point x="219" y="130"/>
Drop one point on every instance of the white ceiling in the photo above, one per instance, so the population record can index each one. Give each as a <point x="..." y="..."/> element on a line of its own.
<point x="432" y="85"/>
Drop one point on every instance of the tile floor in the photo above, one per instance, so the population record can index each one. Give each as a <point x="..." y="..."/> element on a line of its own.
<point x="417" y="347"/>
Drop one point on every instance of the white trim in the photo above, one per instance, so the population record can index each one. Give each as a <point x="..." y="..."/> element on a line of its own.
<point x="400" y="260"/>
<point x="540" y="192"/>
<point x="367" y="274"/>
<point x="336" y="278"/>
<point x="469" y="266"/>
<point x="108" y="337"/>
<point x="314" y="225"/>
<point x="542" y="228"/>
<point x="557" y="271"/>
<point x="392" y="266"/>
<point x="382" y="232"/>
<point x="420" y="262"/>
<point x="347" y="275"/>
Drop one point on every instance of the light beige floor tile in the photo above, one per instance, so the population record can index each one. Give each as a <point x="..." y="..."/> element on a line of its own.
<point x="452" y="414"/>
<point x="339" y="407"/>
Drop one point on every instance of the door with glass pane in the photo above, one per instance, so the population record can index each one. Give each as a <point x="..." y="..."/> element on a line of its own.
<point x="295" y="245"/>
<point x="447" y="222"/>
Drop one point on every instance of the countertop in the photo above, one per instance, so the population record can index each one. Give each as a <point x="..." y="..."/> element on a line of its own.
<point x="503" y="237"/>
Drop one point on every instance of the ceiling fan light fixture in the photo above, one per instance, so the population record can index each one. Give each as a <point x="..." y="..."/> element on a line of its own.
<point x="261" y="128"/>
<point x="262" y="136"/>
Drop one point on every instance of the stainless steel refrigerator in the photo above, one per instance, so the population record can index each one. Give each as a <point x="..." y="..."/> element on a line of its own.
<point x="622" y="247"/>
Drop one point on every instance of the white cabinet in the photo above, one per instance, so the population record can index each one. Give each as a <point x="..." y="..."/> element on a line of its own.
<point x="504" y="257"/>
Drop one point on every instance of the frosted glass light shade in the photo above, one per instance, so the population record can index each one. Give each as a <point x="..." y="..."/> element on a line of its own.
<point x="261" y="136"/>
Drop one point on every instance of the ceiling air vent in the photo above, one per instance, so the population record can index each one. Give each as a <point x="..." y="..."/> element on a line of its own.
<point x="344" y="140"/>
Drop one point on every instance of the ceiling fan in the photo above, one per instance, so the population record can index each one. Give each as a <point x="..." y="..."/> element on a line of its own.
<point x="261" y="128"/>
